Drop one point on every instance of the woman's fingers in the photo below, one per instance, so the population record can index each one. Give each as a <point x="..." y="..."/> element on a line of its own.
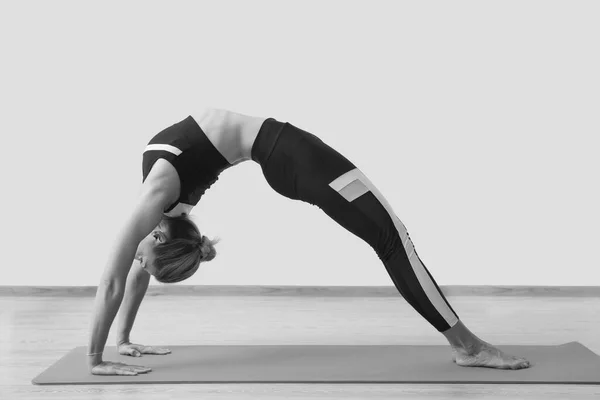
<point x="136" y="350"/>
<point x="119" y="366"/>
<point x="153" y="350"/>
<point x="156" y="350"/>
<point x="141" y="370"/>
<point x="124" y="372"/>
<point x="132" y="370"/>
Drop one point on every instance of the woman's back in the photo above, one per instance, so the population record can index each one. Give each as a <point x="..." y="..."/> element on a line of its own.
<point x="196" y="150"/>
<point x="231" y="133"/>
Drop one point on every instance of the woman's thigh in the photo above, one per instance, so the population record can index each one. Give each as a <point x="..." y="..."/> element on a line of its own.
<point x="305" y="168"/>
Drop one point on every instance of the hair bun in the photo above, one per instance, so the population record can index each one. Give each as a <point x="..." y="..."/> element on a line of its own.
<point x="202" y="245"/>
<point x="207" y="248"/>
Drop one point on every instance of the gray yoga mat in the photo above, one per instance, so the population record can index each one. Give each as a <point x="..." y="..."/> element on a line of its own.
<point x="567" y="363"/>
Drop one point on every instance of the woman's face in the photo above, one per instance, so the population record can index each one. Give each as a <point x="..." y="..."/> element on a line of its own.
<point x="146" y="247"/>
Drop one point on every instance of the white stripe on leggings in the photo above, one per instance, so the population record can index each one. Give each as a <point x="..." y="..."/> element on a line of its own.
<point x="354" y="184"/>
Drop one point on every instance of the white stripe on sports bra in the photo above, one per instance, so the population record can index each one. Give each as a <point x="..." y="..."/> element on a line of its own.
<point x="164" y="147"/>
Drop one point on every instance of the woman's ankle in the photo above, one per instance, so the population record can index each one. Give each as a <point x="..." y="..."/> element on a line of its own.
<point x="460" y="337"/>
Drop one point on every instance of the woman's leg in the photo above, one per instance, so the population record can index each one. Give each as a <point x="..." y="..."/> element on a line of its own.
<point x="303" y="167"/>
<point x="328" y="180"/>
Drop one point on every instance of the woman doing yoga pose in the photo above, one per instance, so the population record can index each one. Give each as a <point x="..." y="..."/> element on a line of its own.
<point x="182" y="161"/>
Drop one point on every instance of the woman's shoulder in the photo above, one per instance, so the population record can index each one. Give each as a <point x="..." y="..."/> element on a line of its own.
<point x="163" y="177"/>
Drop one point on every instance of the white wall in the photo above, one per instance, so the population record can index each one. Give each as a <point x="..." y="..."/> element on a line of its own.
<point x="478" y="121"/>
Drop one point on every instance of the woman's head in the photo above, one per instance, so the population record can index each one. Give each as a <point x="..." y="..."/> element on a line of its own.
<point x="175" y="249"/>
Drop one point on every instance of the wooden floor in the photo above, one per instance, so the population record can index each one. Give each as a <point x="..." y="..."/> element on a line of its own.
<point x="36" y="331"/>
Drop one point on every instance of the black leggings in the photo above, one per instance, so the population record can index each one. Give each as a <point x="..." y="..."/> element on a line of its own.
<point x="300" y="166"/>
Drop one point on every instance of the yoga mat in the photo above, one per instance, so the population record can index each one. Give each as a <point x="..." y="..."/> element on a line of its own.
<point x="567" y="363"/>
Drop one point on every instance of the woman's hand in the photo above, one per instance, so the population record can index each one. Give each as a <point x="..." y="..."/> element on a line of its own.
<point x="118" y="368"/>
<point x="136" y="350"/>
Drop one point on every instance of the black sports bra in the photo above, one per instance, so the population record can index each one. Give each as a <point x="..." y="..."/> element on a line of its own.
<point x="196" y="159"/>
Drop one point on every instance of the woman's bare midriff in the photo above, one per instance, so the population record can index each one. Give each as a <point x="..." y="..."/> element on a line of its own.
<point x="231" y="133"/>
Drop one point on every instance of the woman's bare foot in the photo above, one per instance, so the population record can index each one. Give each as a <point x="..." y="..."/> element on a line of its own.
<point x="486" y="355"/>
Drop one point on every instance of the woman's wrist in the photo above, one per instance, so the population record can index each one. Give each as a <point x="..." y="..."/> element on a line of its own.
<point x="94" y="360"/>
<point x="122" y="337"/>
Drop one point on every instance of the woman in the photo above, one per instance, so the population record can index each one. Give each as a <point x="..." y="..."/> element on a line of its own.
<point x="181" y="162"/>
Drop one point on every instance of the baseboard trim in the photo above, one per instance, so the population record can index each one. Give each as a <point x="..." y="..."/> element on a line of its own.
<point x="310" y="291"/>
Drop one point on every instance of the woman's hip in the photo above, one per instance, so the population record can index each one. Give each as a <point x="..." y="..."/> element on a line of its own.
<point x="303" y="167"/>
<point x="295" y="161"/>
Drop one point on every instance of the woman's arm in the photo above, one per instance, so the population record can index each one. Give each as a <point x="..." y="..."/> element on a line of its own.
<point x="135" y="289"/>
<point x="146" y="215"/>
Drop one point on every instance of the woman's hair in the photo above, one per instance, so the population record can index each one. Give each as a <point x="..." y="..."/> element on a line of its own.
<point x="180" y="255"/>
